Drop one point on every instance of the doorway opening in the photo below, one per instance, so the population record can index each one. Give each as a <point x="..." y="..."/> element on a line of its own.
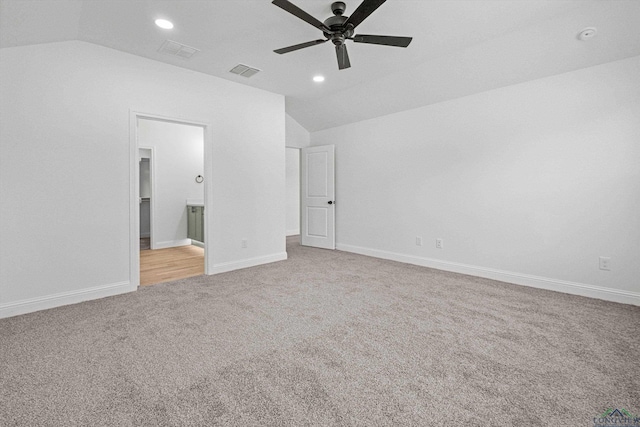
<point x="170" y="171"/>
<point x="145" y="197"/>
<point x="310" y="182"/>
<point x="292" y="163"/>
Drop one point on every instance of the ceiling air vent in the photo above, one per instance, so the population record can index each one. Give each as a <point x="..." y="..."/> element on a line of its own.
<point x="244" y="70"/>
<point x="178" y="49"/>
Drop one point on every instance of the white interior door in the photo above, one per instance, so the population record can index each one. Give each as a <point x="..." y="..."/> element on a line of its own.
<point x="317" y="201"/>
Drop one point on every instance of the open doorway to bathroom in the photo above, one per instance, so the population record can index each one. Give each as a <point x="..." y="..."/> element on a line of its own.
<point x="171" y="200"/>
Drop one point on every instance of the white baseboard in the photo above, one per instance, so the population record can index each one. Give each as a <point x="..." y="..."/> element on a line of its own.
<point x="197" y="243"/>
<point x="246" y="263"/>
<point x="293" y="232"/>
<point x="64" y="298"/>
<point x="608" y="294"/>
<point x="172" y="244"/>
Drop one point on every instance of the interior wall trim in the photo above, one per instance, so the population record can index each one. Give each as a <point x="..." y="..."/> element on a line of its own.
<point x="64" y="298"/>
<point x="249" y="262"/>
<point x="172" y="243"/>
<point x="573" y="288"/>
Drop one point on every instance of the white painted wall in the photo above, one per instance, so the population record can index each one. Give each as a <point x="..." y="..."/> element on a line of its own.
<point x="293" y="191"/>
<point x="529" y="183"/>
<point x="178" y="159"/>
<point x="296" y="135"/>
<point x="65" y="148"/>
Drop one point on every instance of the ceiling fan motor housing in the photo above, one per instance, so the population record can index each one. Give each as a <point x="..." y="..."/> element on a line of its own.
<point x="336" y="23"/>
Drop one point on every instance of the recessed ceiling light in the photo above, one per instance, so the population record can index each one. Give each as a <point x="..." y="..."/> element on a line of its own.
<point x="318" y="79"/>
<point x="163" y="23"/>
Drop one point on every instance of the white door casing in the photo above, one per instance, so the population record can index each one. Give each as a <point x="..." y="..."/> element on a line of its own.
<point x="317" y="201"/>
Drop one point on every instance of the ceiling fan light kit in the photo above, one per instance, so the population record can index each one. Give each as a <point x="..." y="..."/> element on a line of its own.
<point x="340" y="28"/>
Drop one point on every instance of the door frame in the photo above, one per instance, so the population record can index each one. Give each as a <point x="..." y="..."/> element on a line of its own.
<point x="134" y="187"/>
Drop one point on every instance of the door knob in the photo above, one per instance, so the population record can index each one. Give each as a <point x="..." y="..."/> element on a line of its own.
<point x="330" y="202"/>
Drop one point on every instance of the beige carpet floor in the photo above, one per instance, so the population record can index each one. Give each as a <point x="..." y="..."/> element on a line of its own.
<point x="324" y="338"/>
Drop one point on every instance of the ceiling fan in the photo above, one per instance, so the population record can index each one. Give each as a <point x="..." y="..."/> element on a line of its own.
<point x="339" y="28"/>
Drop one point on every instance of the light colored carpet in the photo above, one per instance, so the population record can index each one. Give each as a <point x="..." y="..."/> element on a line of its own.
<point x="324" y="338"/>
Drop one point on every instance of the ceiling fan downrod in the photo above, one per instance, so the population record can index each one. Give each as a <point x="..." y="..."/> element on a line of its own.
<point x="336" y="24"/>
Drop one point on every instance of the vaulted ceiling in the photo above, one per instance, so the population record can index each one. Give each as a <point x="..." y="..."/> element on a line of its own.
<point x="460" y="47"/>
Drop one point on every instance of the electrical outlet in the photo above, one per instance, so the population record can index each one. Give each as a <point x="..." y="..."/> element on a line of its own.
<point x="605" y="263"/>
<point x="244" y="243"/>
<point x="418" y="241"/>
<point x="439" y="244"/>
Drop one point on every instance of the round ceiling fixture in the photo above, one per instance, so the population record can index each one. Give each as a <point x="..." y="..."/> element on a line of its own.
<point x="163" y="23"/>
<point x="587" y="33"/>
<point x="318" y="79"/>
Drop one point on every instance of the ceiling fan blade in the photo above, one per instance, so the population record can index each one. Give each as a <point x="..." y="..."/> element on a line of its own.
<point x="385" y="40"/>
<point x="366" y="8"/>
<point x="295" y="10"/>
<point x="299" y="46"/>
<point x="343" y="57"/>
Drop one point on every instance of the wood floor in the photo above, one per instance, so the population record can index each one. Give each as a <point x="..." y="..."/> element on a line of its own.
<point x="164" y="265"/>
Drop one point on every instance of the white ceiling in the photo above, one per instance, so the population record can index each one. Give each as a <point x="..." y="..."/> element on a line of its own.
<point x="459" y="47"/>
